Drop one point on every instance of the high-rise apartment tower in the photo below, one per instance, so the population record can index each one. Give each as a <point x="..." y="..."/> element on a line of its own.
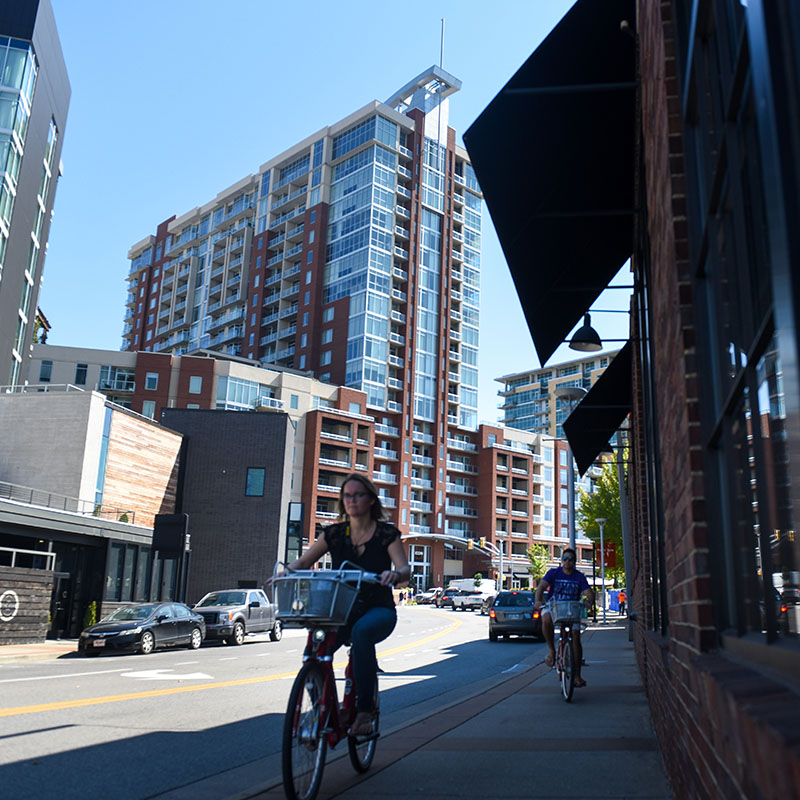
<point x="354" y="255"/>
<point x="530" y="399"/>
<point x="34" y="98"/>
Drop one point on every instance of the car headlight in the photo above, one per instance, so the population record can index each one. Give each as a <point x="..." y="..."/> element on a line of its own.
<point x="224" y="616"/>
<point x="137" y="629"/>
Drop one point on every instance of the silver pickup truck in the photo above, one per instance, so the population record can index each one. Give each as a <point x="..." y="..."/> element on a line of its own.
<point x="231" y="614"/>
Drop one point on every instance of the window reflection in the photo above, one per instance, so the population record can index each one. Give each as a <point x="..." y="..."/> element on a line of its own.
<point x="782" y="560"/>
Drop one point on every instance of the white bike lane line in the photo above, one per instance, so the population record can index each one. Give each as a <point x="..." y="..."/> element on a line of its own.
<point x="116" y="698"/>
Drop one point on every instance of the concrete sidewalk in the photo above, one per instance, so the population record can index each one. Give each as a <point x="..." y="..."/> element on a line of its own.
<point x="38" y="651"/>
<point x="520" y="739"/>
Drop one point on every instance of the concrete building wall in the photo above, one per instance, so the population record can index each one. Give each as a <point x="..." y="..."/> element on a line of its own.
<point x="61" y="432"/>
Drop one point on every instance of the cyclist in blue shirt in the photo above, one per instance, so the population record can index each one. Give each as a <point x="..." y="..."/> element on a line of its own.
<point x="565" y="583"/>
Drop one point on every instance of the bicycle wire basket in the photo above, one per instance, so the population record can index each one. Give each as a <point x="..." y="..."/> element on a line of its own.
<point x="567" y="611"/>
<point x="314" y="598"/>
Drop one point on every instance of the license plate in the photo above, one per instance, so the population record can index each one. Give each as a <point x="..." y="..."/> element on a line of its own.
<point x="513" y="616"/>
<point x="99" y="643"/>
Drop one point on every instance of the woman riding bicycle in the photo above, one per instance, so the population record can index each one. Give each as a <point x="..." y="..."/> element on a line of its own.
<point x="365" y="539"/>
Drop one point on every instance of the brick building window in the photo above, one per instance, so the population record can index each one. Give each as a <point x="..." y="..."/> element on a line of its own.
<point x="151" y="381"/>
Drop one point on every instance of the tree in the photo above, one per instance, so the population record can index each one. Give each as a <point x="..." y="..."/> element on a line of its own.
<point x="603" y="503"/>
<point x="539" y="555"/>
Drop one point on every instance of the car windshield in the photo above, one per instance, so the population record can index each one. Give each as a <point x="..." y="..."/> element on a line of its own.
<point x="128" y="613"/>
<point x="223" y="599"/>
<point x="514" y="599"/>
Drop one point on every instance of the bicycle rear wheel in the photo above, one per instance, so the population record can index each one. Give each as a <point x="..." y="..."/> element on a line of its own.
<point x="362" y="751"/>
<point x="304" y="741"/>
<point x="568" y="672"/>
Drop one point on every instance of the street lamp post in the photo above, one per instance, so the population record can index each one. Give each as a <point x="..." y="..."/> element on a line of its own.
<point x="601" y="522"/>
<point x="571" y="394"/>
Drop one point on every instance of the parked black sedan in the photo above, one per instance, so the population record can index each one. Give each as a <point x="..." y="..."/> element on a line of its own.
<point x="143" y="627"/>
<point x="513" y="613"/>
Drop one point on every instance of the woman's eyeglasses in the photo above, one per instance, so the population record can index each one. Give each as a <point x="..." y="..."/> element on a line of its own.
<point x="567" y="558"/>
<point x="355" y="496"/>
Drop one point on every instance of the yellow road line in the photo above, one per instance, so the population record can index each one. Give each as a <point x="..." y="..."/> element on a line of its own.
<point x="116" y="698"/>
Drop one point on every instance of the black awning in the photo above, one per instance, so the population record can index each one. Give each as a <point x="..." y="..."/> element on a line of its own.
<point x="595" y="419"/>
<point x="554" y="156"/>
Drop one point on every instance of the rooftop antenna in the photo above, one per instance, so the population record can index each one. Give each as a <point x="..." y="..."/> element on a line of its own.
<point x="439" y="104"/>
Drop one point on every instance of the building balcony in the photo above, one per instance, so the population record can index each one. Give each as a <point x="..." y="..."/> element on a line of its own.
<point x="339" y="437"/>
<point x="418" y="505"/>
<point x="382" y="452"/>
<point x="386" y="430"/>
<point x="384" y="477"/>
<point x="403" y="192"/>
<point x="419" y="529"/>
<point x="458" y="466"/>
<point x="334" y="462"/>
<point x="391" y="405"/>
<point x="460" y="511"/>
<point x="421" y="483"/>
<point x="425" y="461"/>
<point x="458" y="488"/>
<point x="419" y="436"/>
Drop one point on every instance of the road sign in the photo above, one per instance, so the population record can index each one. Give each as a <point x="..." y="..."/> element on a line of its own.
<point x="610" y="554"/>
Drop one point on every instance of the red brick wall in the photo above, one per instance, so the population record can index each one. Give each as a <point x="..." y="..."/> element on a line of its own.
<point x="725" y="729"/>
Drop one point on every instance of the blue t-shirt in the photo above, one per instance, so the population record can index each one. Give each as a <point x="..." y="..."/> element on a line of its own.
<point x="566" y="587"/>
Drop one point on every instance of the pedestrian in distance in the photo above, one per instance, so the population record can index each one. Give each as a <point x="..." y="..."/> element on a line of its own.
<point x="565" y="583"/>
<point x="365" y="539"/>
<point x="622" y="597"/>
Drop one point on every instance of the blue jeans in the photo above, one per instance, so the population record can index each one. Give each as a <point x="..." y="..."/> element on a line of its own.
<point x="373" y="627"/>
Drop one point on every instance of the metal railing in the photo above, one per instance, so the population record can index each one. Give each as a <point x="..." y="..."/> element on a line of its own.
<point x="9" y="556"/>
<point x="61" y="502"/>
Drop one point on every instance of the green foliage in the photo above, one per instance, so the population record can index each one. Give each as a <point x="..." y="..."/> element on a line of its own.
<point x="539" y="556"/>
<point x="603" y="503"/>
<point x="478" y="578"/>
<point x="90" y="617"/>
<point x="124" y="518"/>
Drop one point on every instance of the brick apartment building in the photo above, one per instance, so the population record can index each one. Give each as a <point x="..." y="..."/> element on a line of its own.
<point x="507" y="485"/>
<point x="671" y="138"/>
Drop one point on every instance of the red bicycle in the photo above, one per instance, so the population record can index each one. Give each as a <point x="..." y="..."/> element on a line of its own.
<point x="315" y="719"/>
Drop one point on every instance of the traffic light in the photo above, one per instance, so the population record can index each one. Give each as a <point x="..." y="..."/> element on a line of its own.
<point x="483" y="541"/>
<point x="470" y="544"/>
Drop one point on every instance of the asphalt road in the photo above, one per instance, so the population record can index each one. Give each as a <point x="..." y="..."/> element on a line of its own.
<point x="189" y="725"/>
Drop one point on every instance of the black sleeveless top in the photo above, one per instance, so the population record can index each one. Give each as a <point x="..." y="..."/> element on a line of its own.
<point x="375" y="558"/>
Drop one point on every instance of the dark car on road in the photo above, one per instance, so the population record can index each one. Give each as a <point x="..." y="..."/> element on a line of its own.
<point x="446" y="597"/>
<point x="513" y="613"/>
<point x="142" y="627"/>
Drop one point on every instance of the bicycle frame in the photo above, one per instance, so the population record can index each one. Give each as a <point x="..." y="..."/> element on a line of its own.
<point x="565" y="658"/>
<point x="337" y="718"/>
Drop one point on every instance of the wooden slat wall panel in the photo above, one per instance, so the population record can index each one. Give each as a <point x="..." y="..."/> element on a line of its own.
<point x="142" y="468"/>
<point x="33" y="589"/>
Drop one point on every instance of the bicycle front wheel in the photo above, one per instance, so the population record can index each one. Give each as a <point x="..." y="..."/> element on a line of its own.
<point x="362" y="751"/>
<point x="304" y="741"/>
<point x="568" y="672"/>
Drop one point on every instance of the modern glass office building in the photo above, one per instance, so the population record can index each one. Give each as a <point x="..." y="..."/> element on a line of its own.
<point x="34" y="98"/>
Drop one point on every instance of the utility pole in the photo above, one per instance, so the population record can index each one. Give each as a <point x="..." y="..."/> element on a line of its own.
<point x="601" y="521"/>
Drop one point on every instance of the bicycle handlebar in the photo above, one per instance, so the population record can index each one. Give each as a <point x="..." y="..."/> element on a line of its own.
<point x="363" y="576"/>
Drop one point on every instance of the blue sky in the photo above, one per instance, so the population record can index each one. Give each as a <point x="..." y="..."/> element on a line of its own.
<point x="175" y="100"/>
